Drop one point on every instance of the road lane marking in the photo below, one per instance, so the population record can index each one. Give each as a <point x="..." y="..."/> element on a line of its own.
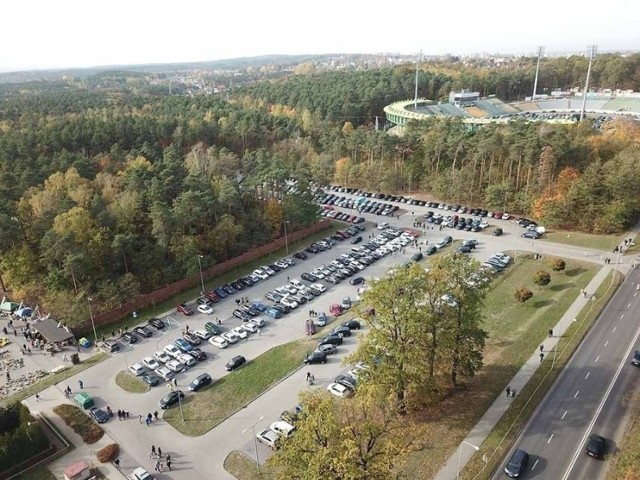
<point x="614" y="328"/>
<point x="600" y="407"/>
<point x="597" y="358"/>
<point x="606" y="343"/>
<point x="564" y="414"/>
<point x="577" y="392"/>
<point x="621" y="316"/>
<point x="550" y="438"/>
<point x="587" y="375"/>
<point x="628" y="306"/>
<point x="535" y="463"/>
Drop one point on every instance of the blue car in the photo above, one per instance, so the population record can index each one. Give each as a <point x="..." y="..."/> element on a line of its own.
<point x="183" y="345"/>
<point x="273" y="313"/>
<point x="221" y="293"/>
<point x="261" y="307"/>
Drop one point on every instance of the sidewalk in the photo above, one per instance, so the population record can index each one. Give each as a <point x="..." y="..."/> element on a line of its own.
<point x="493" y="414"/>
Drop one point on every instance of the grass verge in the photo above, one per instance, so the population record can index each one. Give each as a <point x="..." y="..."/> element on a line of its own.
<point x="47" y="381"/>
<point x="244" y="468"/>
<point x="625" y="462"/>
<point x="514" y="331"/>
<point x="131" y="384"/>
<point x="231" y="275"/>
<point x="213" y="404"/>
<point x="81" y="423"/>
<point x="586" y="240"/>
<point x="497" y="444"/>
<point x="42" y="473"/>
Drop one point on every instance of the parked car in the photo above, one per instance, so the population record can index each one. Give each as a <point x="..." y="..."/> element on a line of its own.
<point x="184" y="309"/>
<point x="150" y="362"/>
<point x="157" y="324"/>
<point x="352" y="324"/>
<point x="269" y="438"/>
<point x="161" y="356"/>
<point x="144" y="332"/>
<point x="183" y="345"/>
<point x="192" y="338"/>
<point x="517" y="464"/>
<point x="170" y="399"/>
<point x="219" y="342"/>
<point x="235" y="362"/>
<point x="327" y="348"/>
<point x="129" y="337"/>
<point x="212" y="328"/>
<point x="172" y="350"/>
<point x="497" y="232"/>
<point x="203" y="334"/>
<point x="198" y="354"/>
<point x="150" y="379"/>
<point x="165" y="374"/>
<point x="98" y="414"/>
<point x="186" y="360"/>
<point x="339" y="390"/>
<point x="175" y="365"/>
<point x="315" y="357"/>
<point x="206" y="309"/>
<point x="200" y="381"/>
<point x="230" y="337"/>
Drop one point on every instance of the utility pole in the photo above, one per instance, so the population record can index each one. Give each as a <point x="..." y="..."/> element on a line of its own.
<point x="592" y="50"/>
<point x="415" y="100"/>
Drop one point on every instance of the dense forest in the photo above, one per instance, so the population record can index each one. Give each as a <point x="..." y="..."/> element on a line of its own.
<point x="111" y="193"/>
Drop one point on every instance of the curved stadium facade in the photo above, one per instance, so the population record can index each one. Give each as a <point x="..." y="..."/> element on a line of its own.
<point x="481" y="111"/>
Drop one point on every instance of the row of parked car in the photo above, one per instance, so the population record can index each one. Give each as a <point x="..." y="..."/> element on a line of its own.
<point x="345" y="217"/>
<point x="361" y="204"/>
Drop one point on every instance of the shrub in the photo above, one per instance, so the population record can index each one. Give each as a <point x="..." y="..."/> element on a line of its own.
<point x="557" y="264"/>
<point x="522" y="294"/>
<point x="541" y="278"/>
<point x="108" y="453"/>
<point x="22" y="437"/>
<point x="90" y="431"/>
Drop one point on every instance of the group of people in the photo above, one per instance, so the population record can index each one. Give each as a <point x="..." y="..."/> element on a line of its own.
<point x="149" y="418"/>
<point x="242" y="301"/>
<point x="159" y="466"/>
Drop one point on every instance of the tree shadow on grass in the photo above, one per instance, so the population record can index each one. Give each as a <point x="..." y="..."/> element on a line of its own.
<point x="560" y="287"/>
<point x="574" y="272"/>
<point x="542" y="303"/>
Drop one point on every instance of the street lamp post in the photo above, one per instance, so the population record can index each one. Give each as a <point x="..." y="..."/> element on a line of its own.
<point x="255" y="440"/>
<point x="95" y="334"/>
<point x="180" y="404"/>
<point x="201" y="277"/>
<point x="475" y="447"/>
<point x="286" y="240"/>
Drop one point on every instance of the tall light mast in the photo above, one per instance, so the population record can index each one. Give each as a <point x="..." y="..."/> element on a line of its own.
<point x="535" y="82"/>
<point x="415" y="98"/>
<point x="592" y="50"/>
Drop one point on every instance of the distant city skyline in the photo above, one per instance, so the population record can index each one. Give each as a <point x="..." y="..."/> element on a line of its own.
<point x="41" y="34"/>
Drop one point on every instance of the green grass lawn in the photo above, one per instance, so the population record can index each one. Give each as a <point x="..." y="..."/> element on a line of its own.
<point x="586" y="240"/>
<point x="41" y="473"/>
<point x="244" y="468"/>
<point x="213" y="404"/>
<point x="231" y="275"/>
<point x="131" y="384"/>
<point x="515" y="331"/>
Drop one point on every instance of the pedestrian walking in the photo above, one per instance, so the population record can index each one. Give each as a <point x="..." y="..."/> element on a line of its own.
<point x="584" y="293"/>
<point x="508" y="391"/>
<point x="116" y="462"/>
<point x="168" y="458"/>
<point x="159" y="452"/>
<point x="550" y="333"/>
<point x="146" y="420"/>
<point x="127" y="413"/>
<point x="307" y="377"/>
<point x="259" y="333"/>
<point x="541" y="347"/>
<point x="64" y="357"/>
<point x="157" y="465"/>
<point x="81" y="383"/>
<point x="37" y="397"/>
<point x="175" y="382"/>
<point x="153" y="451"/>
<point x="155" y="415"/>
<point x="139" y="417"/>
<point x="541" y="357"/>
<point x="8" y="376"/>
<point x="169" y="464"/>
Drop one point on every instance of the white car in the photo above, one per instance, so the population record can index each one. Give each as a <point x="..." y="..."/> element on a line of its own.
<point x="164" y="373"/>
<point x="289" y="302"/>
<point x="339" y="390"/>
<point x="506" y="216"/>
<point x="203" y="334"/>
<point x="282" y="264"/>
<point x="206" y="309"/>
<point x="137" y="369"/>
<point x="219" y="342"/>
<point x="240" y="332"/>
<point x="150" y="362"/>
<point x="283" y="428"/>
<point x="282" y="291"/>
<point x="261" y="274"/>
<point x="161" y="356"/>
<point x="259" y="321"/>
<point x="319" y="287"/>
<point x="383" y="225"/>
<point x="318" y="273"/>
<point x="290" y="289"/>
<point x="187" y="360"/>
<point x="141" y="474"/>
<point x="230" y="337"/>
<point x="268" y="437"/>
<point x="172" y="351"/>
<point x="268" y="270"/>
<point x="298" y="284"/>
<point x="249" y="327"/>
<point x="175" y="366"/>
<point x="357" y="370"/>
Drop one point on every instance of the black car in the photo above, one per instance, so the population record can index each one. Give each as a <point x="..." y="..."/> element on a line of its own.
<point x="309" y="277"/>
<point x="636" y="359"/>
<point x="228" y="289"/>
<point x="129" y="337"/>
<point x="300" y="255"/>
<point x="244" y="316"/>
<point x="150" y="379"/>
<point x="356" y="280"/>
<point x="170" y="398"/>
<point x="311" y="249"/>
<point x="246" y="281"/>
<point x="157" y="324"/>
<point x="497" y="232"/>
<point x="463" y="249"/>
<point x="144" y="332"/>
<point x="351" y="324"/>
<point x="346" y="380"/>
<point x="531" y="235"/>
<point x="315" y="357"/>
<point x="98" y="414"/>
<point x="430" y="250"/>
<point x="198" y="354"/>
<point x="282" y="308"/>
<point x="237" y="285"/>
<point x="416" y="257"/>
<point x="332" y="339"/>
<point x="357" y="239"/>
<point x="200" y="381"/>
<point x="235" y="362"/>
<point x="517" y="464"/>
<point x="345" y="331"/>
<point x="595" y="446"/>
<point x="250" y="310"/>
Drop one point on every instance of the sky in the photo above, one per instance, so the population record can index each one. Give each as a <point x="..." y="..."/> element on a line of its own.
<point x="40" y="34"/>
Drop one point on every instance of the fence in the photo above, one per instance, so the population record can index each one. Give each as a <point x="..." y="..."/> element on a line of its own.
<point x="160" y="295"/>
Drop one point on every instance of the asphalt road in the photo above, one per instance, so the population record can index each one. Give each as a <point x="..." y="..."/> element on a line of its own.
<point x="588" y="397"/>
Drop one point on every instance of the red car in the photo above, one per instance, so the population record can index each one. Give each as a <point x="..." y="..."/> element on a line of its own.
<point x="185" y="309"/>
<point x="213" y="296"/>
